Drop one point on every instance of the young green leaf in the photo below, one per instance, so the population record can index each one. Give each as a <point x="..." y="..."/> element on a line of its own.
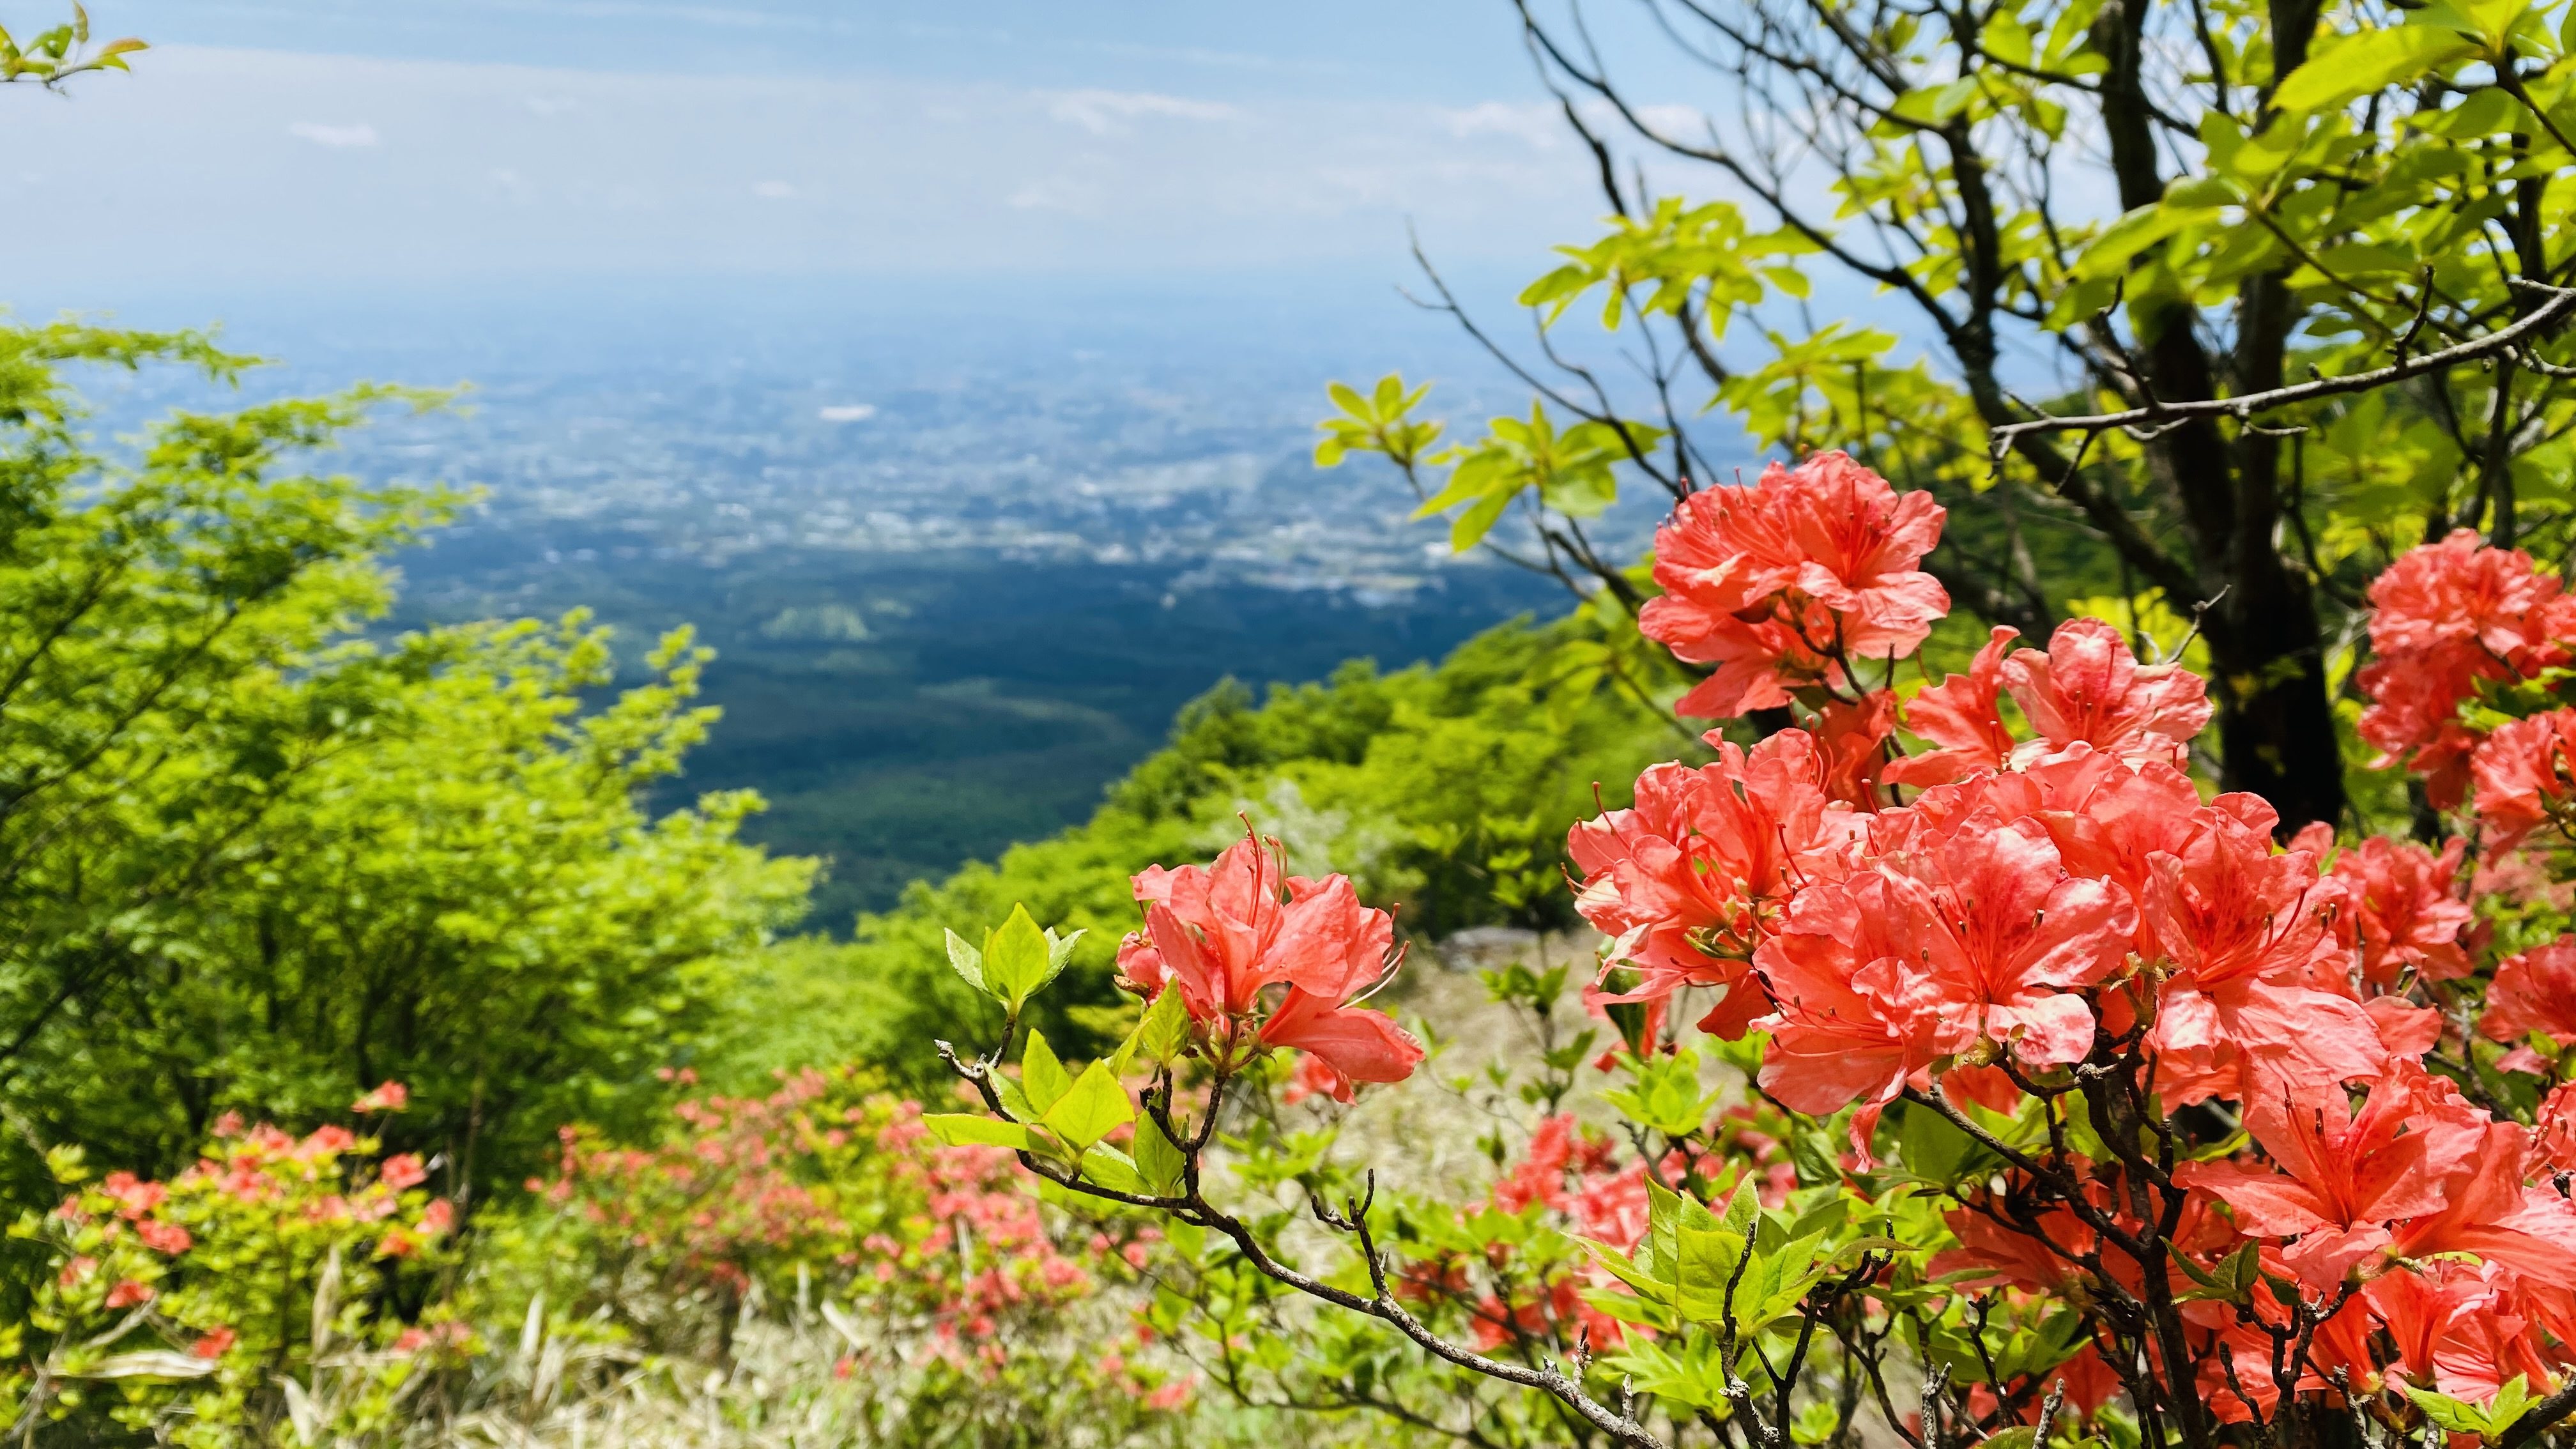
<point x="1060" y="950"/>
<point x="1016" y="959"/>
<point x="1165" y="1031"/>
<point x="1158" y="1160"/>
<point x="960" y="1129"/>
<point x="2369" y="61"/>
<point x="1934" y="1150"/>
<point x="965" y="960"/>
<point x="1095" y="1106"/>
<point x="1042" y="1073"/>
<point x="2461" y="1417"/>
<point x="1110" y="1168"/>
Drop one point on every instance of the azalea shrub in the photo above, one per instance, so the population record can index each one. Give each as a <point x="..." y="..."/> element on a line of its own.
<point x="958" y="1303"/>
<point x="255" y="1291"/>
<point x="313" y="1289"/>
<point x="1960" y="1070"/>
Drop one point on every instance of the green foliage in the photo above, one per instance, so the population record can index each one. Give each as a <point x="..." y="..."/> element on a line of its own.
<point x="1017" y="961"/>
<point x="1739" y="1271"/>
<point x="2488" y="1421"/>
<point x="260" y="863"/>
<point x="55" y="55"/>
<point x="1379" y="422"/>
<point x="1664" y="1093"/>
<point x="1571" y="471"/>
<point x="299" y="1292"/>
<point x="1443" y="792"/>
<point x="1676" y="261"/>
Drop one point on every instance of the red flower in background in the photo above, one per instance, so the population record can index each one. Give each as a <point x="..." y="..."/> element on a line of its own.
<point x="2522" y="771"/>
<point x="2462" y="599"/>
<point x="2534" y="994"/>
<point x="2446" y="616"/>
<point x="2405" y="909"/>
<point x="1310" y="1077"/>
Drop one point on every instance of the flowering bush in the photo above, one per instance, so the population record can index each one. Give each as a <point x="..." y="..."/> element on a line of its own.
<point x="959" y="1303"/>
<point x="2088" y="1107"/>
<point x="824" y="1176"/>
<point x="244" y="1293"/>
<point x="310" y="1289"/>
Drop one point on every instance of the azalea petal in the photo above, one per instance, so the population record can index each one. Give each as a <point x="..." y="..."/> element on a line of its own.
<point x="1358" y="1044"/>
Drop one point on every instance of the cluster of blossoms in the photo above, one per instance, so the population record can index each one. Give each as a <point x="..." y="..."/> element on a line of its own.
<point x="126" y="1239"/>
<point x="1265" y="959"/>
<point x="212" y="1274"/>
<point x="1779" y="585"/>
<point x="824" y="1173"/>
<point x="2449" y="622"/>
<point x="2227" y="1121"/>
<point x="2058" y="928"/>
<point x="726" y="1196"/>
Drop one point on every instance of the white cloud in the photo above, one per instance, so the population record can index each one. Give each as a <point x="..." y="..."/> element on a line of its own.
<point x="1676" y="123"/>
<point x="1538" y="125"/>
<point x="1106" y="113"/>
<point x="336" y="137"/>
<point x="773" y="190"/>
<point x="847" y="412"/>
<point x="1059" y="193"/>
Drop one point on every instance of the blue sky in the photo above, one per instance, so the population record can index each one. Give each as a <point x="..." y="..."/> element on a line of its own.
<point x="332" y="143"/>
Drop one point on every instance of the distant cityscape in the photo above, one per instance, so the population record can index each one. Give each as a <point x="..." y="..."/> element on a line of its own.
<point x="959" y="574"/>
<point x="1080" y="437"/>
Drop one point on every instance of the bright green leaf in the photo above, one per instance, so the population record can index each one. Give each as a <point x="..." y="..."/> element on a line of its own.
<point x="1095" y="1106"/>
<point x="2369" y="61"/>
<point x="1042" y="1073"/>
<point x="1017" y="959"/>
<point x="965" y="960"/>
<point x="959" y="1129"/>
<point x="1158" y="1160"/>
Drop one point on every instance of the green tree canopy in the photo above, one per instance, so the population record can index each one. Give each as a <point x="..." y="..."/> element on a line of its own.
<point x="252" y="859"/>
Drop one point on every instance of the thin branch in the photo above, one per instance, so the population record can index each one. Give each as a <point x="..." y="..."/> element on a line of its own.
<point x="2159" y="416"/>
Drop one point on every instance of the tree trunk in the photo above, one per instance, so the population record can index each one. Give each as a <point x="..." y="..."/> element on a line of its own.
<point x="2276" y="730"/>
